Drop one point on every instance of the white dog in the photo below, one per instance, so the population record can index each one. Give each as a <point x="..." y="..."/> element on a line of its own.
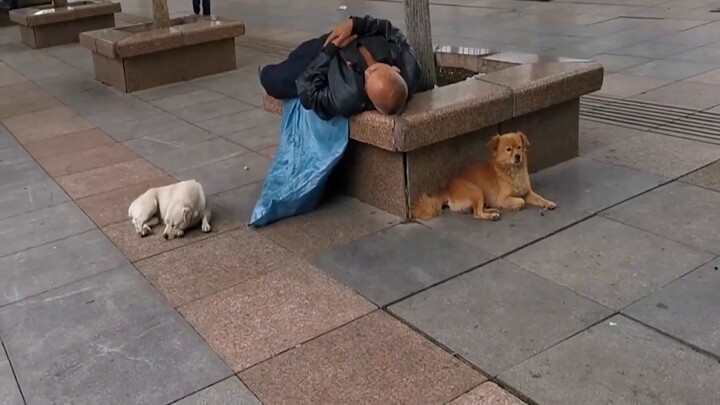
<point x="179" y="206"/>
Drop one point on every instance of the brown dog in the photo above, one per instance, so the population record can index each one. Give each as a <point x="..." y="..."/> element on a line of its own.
<point x="503" y="183"/>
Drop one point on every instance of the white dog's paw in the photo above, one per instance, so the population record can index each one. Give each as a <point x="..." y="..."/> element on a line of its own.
<point x="206" y="227"/>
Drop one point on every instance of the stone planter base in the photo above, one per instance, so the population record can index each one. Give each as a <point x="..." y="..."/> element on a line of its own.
<point x="46" y="26"/>
<point x="139" y="57"/>
<point x="391" y="161"/>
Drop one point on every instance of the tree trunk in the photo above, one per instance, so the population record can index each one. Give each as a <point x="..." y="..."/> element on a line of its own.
<point x="161" y="15"/>
<point x="59" y="3"/>
<point x="417" y="23"/>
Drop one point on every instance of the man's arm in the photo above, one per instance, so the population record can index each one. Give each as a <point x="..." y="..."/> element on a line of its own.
<point x="312" y="85"/>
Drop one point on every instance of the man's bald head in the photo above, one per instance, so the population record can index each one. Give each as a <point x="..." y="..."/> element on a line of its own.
<point x="386" y="88"/>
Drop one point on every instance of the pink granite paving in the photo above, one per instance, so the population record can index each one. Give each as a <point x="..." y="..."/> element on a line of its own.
<point x="196" y="271"/>
<point x="265" y="316"/>
<point x="375" y="359"/>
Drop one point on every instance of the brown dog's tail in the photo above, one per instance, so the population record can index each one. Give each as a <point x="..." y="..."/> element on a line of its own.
<point x="428" y="206"/>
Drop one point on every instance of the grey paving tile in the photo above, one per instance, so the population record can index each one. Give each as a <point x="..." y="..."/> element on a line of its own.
<point x="125" y="111"/>
<point x="700" y="55"/>
<point x="387" y="266"/>
<point x="512" y="231"/>
<point x="196" y="155"/>
<point x="238" y="203"/>
<point x="499" y="315"/>
<point x="226" y="392"/>
<point x="662" y="155"/>
<point x="653" y="49"/>
<point x="697" y="96"/>
<point x="168" y="141"/>
<point x="174" y="89"/>
<point x="688" y="309"/>
<point x="12" y="155"/>
<point x="229" y="124"/>
<point x="243" y="86"/>
<point x="230" y="173"/>
<point x="142" y="127"/>
<point x="95" y="100"/>
<point x="39" y="227"/>
<point x="586" y="185"/>
<point x="677" y="211"/>
<point x="21" y="174"/>
<point x="609" y="262"/>
<point x="8" y="386"/>
<point x="258" y="138"/>
<point x="708" y="177"/>
<point x="618" y="362"/>
<point x="190" y="99"/>
<point x="670" y="70"/>
<point x="616" y="63"/>
<point x="114" y="340"/>
<point x="622" y="85"/>
<point x="598" y="135"/>
<point x="30" y="197"/>
<point x="55" y="264"/>
<point x="213" y="109"/>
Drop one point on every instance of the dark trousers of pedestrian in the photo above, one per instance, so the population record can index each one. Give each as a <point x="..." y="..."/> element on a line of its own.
<point x="205" y="7"/>
<point x="279" y="80"/>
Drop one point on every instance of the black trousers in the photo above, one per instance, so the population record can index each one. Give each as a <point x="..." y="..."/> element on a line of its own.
<point x="279" y="80"/>
<point x="205" y="7"/>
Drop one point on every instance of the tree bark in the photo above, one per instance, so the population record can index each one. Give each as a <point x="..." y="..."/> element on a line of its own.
<point x="161" y="15"/>
<point x="417" y="23"/>
<point x="59" y="3"/>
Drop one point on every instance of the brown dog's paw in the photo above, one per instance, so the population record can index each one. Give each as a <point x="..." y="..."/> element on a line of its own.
<point x="495" y="216"/>
<point x="550" y="205"/>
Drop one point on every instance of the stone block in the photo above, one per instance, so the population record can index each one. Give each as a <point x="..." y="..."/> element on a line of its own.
<point x="139" y="57"/>
<point x="45" y="25"/>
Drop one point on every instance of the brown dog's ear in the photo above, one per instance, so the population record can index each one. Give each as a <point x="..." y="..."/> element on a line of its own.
<point x="525" y="141"/>
<point x="493" y="143"/>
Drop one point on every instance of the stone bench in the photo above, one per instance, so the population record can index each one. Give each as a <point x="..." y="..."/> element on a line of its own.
<point x="138" y="56"/>
<point x="44" y="26"/>
<point x="391" y="161"/>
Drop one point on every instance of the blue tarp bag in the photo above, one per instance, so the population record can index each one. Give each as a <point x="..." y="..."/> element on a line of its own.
<point x="309" y="150"/>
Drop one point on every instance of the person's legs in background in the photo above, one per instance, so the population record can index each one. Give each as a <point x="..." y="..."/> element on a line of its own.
<point x="196" y="6"/>
<point x="279" y="80"/>
<point x="206" y="7"/>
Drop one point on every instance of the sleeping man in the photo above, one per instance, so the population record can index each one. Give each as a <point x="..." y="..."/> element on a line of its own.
<point x="364" y="63"/>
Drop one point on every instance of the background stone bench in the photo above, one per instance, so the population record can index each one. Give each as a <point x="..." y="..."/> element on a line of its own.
<point x="45" y="25"/>
<point x="391" y="161"/>
<point x="138" y="56"/>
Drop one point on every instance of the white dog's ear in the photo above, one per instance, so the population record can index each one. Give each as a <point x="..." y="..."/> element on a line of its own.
<point x="187" y="214"/>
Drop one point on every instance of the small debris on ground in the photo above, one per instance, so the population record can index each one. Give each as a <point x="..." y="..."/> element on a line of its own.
<point x="246" y="168"/>
<point x="342" y="8"/>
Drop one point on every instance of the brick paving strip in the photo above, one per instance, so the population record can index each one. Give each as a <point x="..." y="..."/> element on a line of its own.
<point x="258" y="305"/>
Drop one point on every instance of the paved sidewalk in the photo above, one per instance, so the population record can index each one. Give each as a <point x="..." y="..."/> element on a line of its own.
<point x="610" y="299"/>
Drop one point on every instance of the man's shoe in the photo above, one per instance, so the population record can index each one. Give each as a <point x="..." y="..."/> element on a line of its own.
<point x="260" y="68"/>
